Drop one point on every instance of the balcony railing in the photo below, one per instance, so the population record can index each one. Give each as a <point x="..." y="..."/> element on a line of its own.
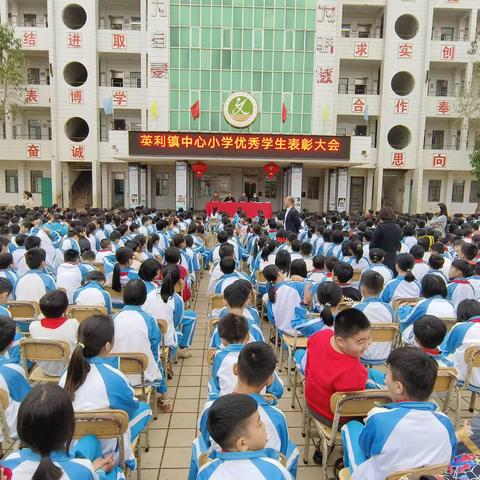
<point x="31" y="136"/>
<point x="120" y="26"/>
<point x="342" y="90"/>
<point x="447" y="37"/>
<point x="122" y="83"/>
<point x="350" y="34"/>
<point x="440" y="146"/>
<point x="29" y="23"/>
<point x="446" y="92"/>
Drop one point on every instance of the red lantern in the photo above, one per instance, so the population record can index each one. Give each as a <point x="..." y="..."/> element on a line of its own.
<point x="271" y="169"/>
<point x="199" y="169"/>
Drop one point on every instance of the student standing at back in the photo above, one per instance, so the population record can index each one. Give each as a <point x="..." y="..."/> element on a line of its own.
<point x="71" y="273"/>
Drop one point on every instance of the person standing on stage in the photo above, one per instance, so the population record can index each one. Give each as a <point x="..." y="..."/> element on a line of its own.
<point x="292" y="220"/>
<point x="243" y="197"/>
<point x="229" y="198"/>
<point x="254" y="197"/>
<point x="216" y="197"/>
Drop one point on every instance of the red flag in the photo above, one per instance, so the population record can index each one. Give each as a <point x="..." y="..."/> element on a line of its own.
<point x="195" y="110"/>
<point x="284" y="112"/>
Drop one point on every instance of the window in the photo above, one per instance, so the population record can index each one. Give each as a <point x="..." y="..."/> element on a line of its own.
<point x="117" y="78"/>
<point x="34" y="130"/>
<point x="224" y="184"/>
<point x="33" y="76"/>
<point x="474" y="191"/>
<point x="36" y="181"/>
<point x="360" y="130"/>
<point x="438" y="137"/>
<point x="30" y="19"/>
<point x="270" y="188"/>
<point x="458" y="191"/>
<point x="447" y="34"/>
<point x="313" y="188"/>
<point x="11" y="181"/>
<point x="361" y="86"/>
<point x="136" y="23"/>
<point x="206" y="186"/>
<point x="257" y="39"/>
<point x="135" y="127"/>
<point x="434" y="187"/>
<point x="364" y="31"/>
<point x="441" y="88"/>
<point x="135" y="79"/>
<point x="346" y="29"/>
<point x="343" y="86"/>
<point x="161" y="185"/>
<point x="116" y="23"/>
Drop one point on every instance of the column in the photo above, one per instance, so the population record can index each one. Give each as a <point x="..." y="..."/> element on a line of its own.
<point x="326" y="180"/>
<point x="181" y="189"/>
<point x="149" y="185"/>
<point x="106" y="196"/>
<point x="446" y="194"/>
<point x="133" y="181"/>
<point x="143" y="185"/>
<point x="341" y="204"/>
<point x="296" y="179"/>
<point x="378" y="189"/>
<point x="332" y="191"/>
<point x="96" y="183"/>
<point x="369" y="190"/>
<point x="22" y="181"/>
<point x="417" y="194"/>
<point x="65" y="184"/>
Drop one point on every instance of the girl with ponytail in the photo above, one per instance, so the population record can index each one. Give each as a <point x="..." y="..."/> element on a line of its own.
<point x="123" y="271"/>
<point x="93" y="381"/>
<point x="45" y="426"/>
<point x="357" y="260"/>
<point x="376" y="264"/>
<point x="405" y="285"/>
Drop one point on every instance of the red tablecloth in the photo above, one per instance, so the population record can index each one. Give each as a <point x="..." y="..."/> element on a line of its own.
<point x="250" y="208"/>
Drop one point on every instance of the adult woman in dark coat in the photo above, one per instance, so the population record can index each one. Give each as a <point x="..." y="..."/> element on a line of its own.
<point x="387" y="236"/>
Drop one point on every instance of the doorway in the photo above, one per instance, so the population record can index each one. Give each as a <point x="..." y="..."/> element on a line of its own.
<point x="250" y="186"/>
<point x="393" y="189"/>
<point x="118" y="194"/>
<point x="357" y="194"/>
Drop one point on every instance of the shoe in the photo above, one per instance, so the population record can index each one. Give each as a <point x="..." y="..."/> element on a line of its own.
<point x="338" y="467"/>
<point x="317" y="457"/>
<point x="184" y="353"/>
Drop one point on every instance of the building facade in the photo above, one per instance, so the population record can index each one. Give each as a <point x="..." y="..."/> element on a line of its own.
<point x="386" y="73"/>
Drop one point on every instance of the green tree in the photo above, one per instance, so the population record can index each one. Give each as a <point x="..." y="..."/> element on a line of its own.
<point x="12" y="70"/>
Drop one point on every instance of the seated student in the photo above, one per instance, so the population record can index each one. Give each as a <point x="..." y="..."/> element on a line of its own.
<point x="330" y="262"/>
<point x="333" y="362"/>
<point x="105" y="250"/>
<point x="32" y="241"/>
<point x="234" y="424"/>
<point x="475" y="280"/>
<point x="460" y="288"/>
<point x="468" y="252"/>
<point x="13" y="352"/>
<point x="35" y="283"/>
<point x="237" y="300"/>
<point x="409" y="239"/>
<point x="88" y="260"/>
<point x="404" y="285"/>
<point x="318" y="271"/>
<point x="173" y="257"/>
<point x="122" y="271"/>
<point x="357" y="259"/>
<point x="435" y="303"/>
<point x="233" y="330"/>
<point x="46" y="422"/>
<point x="71" y="274"/>
<point x="93" y="292"/>
<point x="149" y="273"/>
<point x="436" y="263"/>
<point x="94" y="382"/>
<point x="420" y="269"/>
<point x="71" y="242"/>
<point x="342" y="274"/>
<point x="7" y="268"/>
<point x="295" y="246"/>
<point x="55" y="326"/>
<point x="429" y="332"/>
<point x="226" y="250"/>
<point x="254" y="371"/>
<point x="137" y="331"/>
<point x="306" y="251"/>
<point x="12" y="375"/>
<point x="376" y="256"/>
<point x="19" y="252"/>
<point x="378" y="448"/>
<point x="229" y="275"/>
<point x="335" y="250"/>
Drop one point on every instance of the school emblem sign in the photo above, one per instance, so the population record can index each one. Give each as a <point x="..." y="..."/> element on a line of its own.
<point x="240" y="109"/>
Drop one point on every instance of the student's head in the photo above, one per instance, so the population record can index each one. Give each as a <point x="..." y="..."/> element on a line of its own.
<point x="45" y="424"/>
<point x="7" y="332"/>
<point x="236" y="295"/>
<point x="172" y="255"/>
<point x="54" y="304"/>
<point x="352" y="332"/>
<point x="298" y="267"/>
<point x="318" y="262"/>
<point x="256" y="365"/>
<point x="468" y="309"/>
<point x="95" y="336"/>
<point x="342" y="272"/>
<point x="329" y="294"/>
<point x="330" y="262"/>
<point x="272" y="276"/>
<point x="6" y="261"/>
<point x="433" y="285"/>
<point x="411" y="374"/>
<point x="71" y="256"/>
<point x="170" y="277"/>
<point x="283" y="260"/>
<point x="227" y="265"/>
<point x="179" y="241"/>
<point x="404" y="264"/>
<point x="371" y="283"/>
<point x="460" y="269"/>
<point x="124" y="257"/>
<point x="222" y="236"/>
<point x="468" y="252"/>
<point x="429" y="331"/>
<point x="226" y="250"/>
<point x="436" y="261"/>
<point x="306" y="249"/>
<point x="149" y="269"/>
<point x="6" y="288"/>
<point x="95" y="276"/>
<point x="418" y="252"/>
<point x="376" y="255"/>
<point x="134" y="293"/>
<point x="32" y="241"/>
<point x="233" y="329"/>
<point x="88" y="256"/>
<point x="234" y="423"/>
<point x="35" y="258"/>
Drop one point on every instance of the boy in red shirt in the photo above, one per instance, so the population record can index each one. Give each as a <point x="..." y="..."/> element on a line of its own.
<point x="333" y="362"/>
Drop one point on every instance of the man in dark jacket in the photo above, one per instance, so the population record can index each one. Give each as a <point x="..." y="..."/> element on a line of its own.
<point x="292" y="220"/>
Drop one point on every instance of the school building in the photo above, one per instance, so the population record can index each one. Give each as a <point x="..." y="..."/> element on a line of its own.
<point x="351" y="104"/>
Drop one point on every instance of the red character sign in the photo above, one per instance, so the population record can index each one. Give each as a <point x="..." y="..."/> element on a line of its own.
<point x="159" y="70"/>
<point x="358" y="105"/>
<point x="361" y="49"/>
<point x="405" y="50"/>
<point x="439" y="161"/>
<point x="398" y="159"/>
<point x="119" y="98"/>
<point x="74" y="40"/>
<point x="401" y="106"/>
<point x="443" y="107"/>
<point x="76" y="96"/>
<point x="119" y="41"/>
<point x="77" y="152"/>
<point x="325" y="75"/>
<point x="448" y="52"/>
<point x="33" y="151"/>
<point x="29" y="39"/>
<point x="32" y="95"/>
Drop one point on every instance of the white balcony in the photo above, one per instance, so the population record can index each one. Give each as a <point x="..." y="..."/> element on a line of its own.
<point x="360" y="151"/>
<point x="442" y="107"/>
<point x="24" y="149"/>
<point x="33" y="38"/>
<point x="124" y="97"/>
<point x="360" y="48"/>
<point x="356" y="104"/>
<point x="446" y="160"/>
<point x="449" y="52"/>
<point x="119" y="41"/>
<point x="37" y="96"/>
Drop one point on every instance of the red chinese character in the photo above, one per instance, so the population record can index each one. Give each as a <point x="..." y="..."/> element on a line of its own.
<point x="159" y="70"/>
<point x="398" y="160"/>
<point x="293" y="144"/>
<point x="173" y="141"/>
<point x="227" y="141"/>
<point x="31" y="95"/>
<point x="146" y="140"/>
<point x="401" y="106"/>
<point x="159" y="141"/>
<point x="77" y="152"/>
<point x="333" y="145"/>
<point x="187" y="141"/>
<point x="448" y="52"/>
<point x="74" y="40"/>
<point x="33" y="151"/>
<point x="358" y="105"/>
<point x="119" y="98"/>
<point x="306" y="144"/>
<point x="200" y="142"/>
<point x="253" y="143"/>
<point x="443" y="107"/>
<point x="325" y="75"/>
<point x="361" y="49"/>
<point x="213" y="142"/>
<point x="440" y="160"/>
<point x="29" y="39"/>
<point x="405" y="50"/>
<point x="119" y="40"/>
<point x="76" y="96"/>
<point x="321" y="144"/>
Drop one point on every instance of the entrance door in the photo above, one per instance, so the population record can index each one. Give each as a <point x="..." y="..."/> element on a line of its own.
<point x="393" y="189"/>
<point x="118" y="199"/>
<point x="46" y="192"/>
<point x="357" y="192"/>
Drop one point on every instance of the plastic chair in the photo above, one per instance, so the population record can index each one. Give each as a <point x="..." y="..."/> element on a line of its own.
<point x="82" y="312"/>
<point x="383" y="333"/>
<point x="23" y="311"/>
<point x="400" y="302"/>
<point x="445" y="384"/>
<point x="4" y="402"/>
<point x="472" y="360"/>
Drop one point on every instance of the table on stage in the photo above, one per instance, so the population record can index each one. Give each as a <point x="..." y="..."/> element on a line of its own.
<point x="250" y="208"/>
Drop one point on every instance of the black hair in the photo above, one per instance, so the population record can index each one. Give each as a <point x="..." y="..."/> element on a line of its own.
<point x="95" y="276"/>
<point x="70" y="255"/>
<point x="88" y="256"/>
<point x="417" y="251"/>
<point x="330" y="262"/>
<point x="376" y="255"/>
<point x="299" y="267"/>
<point x="306" y="248"/>
<point x="227" y="265"/>
<point x="152" y="239"/>
<point x="134" y="293"/>
<point x="469" y="250"/>
<point x="372" y="281"/>
<point x="236" y="294"/>
<point x="329" y="294"/>
<point x="123" y="255"/>
<point x="267" y="249"/>
<point x="318" y="262"/>
<point x="227" y="416"/>
<point x="54" y="303"/>
<point x="233" y="328"/>
<point x="406" y="262"/>
<point x="349" y="322"/>
<point x="172" y="255"/>
<point x="429" y="331"/>
<point x="170" y="277"/>
<point x="271" y="272"/>
<point x="467" y="309"/>
<point x="45" y="424"/>
<point x="415" y="370"/>
<point x="222" y="236"/>
<point x="7" y="332"/>
<point x="149" y="269"/>
<point x="356" y="247"/>
<point x="464" y="267"/>
<point x="6" y="260"/>
<point x="256" y="363"/>
<point x="436" y="261"/>
<point x="296" y="244"/>
<point x="20" y="239"/>
<point x="343" y="271"/>
<point x="32" y="241"/>
<point x="104" y="243"/>
<point x="443" y="209"/>
<point x="283" y="260"/>
<point x="5" y="285"/>
<point x="337" y="237"/>
<point x="433" y="285"/>
<point x="93" y="334"/>
<point x="177" y="240"/>
<point x="226" y="250"/>
<point x="34" y="258"/>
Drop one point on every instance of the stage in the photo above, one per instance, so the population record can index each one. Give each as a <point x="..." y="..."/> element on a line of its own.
<point x="250" y="208"/>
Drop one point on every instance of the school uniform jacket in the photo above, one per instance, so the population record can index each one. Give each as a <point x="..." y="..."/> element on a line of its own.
<point x="383" y="270"/>
<point x="400" y="288"/>
<point x="225" y="280"/>
<point x="460" y="289"/>
<point x="34" y="285"/>
<point x="93" y="294"/>
<point x="160" y="310"/>
<point x="10" y="275"/>
<point x="70" y="277"/>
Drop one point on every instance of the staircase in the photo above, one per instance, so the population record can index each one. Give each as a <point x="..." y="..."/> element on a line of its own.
<point x="81" y="192"/>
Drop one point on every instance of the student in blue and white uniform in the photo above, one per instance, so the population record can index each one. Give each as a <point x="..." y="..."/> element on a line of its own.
<point x="376" y="256"/>
<point x="229" y="275"/>
<point x="335" y="249"/>
<point x="35" y="283"/>
<point x="122" y="271"/>
<point x="20" y="251"/>
<point x="436" y="263"/>
<point x="421" y="268"/>
<point x="104" y="251"/>
<point x="404" y="285"/>
<point x="460" y="288"/>
<point x="71" y="274"/>
<point x="409" y="239"/>
<point x="161" y="231"/>
<point x="137" y="331"/>
<point x="357" y="259"/>
<point x="234" y="423"/>
<point x="222" y="238"/>
<point x="378" y="448"/>
<point x="153" y="246"/>
<point x="93" y="292"/>
<point x="94" y="382"/>
<point x="6" y="268"/>
<point x="149" y="272"/>
<point x="31" y="241"/>
<point x="71" y="242"/>
<point x="13" y="352"/>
